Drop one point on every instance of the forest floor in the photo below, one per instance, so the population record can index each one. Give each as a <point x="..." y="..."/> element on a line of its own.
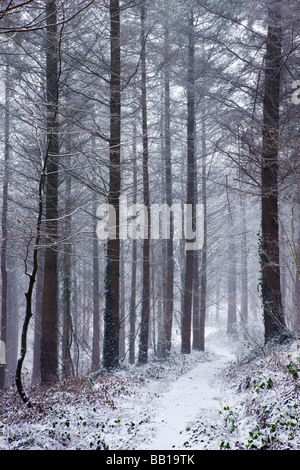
<point x="213" y="400"/>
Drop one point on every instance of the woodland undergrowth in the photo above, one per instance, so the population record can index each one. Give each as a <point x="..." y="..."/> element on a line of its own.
<point x="263" y="412"/>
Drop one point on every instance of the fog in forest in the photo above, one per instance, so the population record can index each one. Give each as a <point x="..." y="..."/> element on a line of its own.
<point x="150" y="219"/>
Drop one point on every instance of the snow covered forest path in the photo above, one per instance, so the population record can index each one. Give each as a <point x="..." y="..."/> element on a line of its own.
<point x="201" y="401"/>
<point x="194" y="395"/>
<point x="151" y="407"/>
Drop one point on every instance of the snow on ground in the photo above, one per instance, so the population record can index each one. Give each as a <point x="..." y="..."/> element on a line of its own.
<point x="198" y="401"/>
<point x="193" y="395"/>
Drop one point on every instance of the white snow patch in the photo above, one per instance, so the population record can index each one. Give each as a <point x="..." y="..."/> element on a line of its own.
<point x="195" y="394"/>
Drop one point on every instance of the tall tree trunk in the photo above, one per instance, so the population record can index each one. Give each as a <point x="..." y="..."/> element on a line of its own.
<point x="4" y="288"/>
<point x="112" y="287"/>
<point x="67" y="286"/>
<point x="76" y="347"/>
<point x="296" y="287"/>
<point x="49" y="340"/>
<point x="169" y="272"/>
<point x="122" y="304"/>
<point x="196" y="303"/>
<point x="196" y="278"/>
<point x="132" y="315"/>
<point x="153" y="318"/>
<point x="161" y="276"/>
<point x="244" y="262"/>
<point x="231" y="315"/>
<point x="132" y="307"/>
<point x="203" y="269"/>
<point x="270" y="266"/>
<point x="12" y="319"/>
<point x="36" y="367"/>
<point x="96" y="302"/>
<point x="189" y="255"/>
<point x="145" y="317"/>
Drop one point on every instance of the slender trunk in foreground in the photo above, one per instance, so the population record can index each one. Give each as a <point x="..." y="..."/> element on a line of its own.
<point x="112" y="282"/>
<point x="270" y="266"/>
<point x="145" y="318"/>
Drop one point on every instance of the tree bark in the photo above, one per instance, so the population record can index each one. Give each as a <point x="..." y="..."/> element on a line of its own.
<point x="196" y="303"/>
<point x="270" y="266"/>
<point x="112" y="287"/>
<point x="96" y="302"/>
<point x="67" y="366"/>
<point x="169" y="272"/>
<point x="145" y="317"/>
<point x="203" y="269"/>
<point x="231" y="316"/>
<point x="12" y="319"/>
<point x="244" y="268"/>
<point x="4" y="287"/>
<point x="189" y="255"/>
<point x="196" y="278"/>
<point x="36" y="367"/>
<point x="49" y="340"/>
<point x="122" y="304"/>
<point x="132" y="313"/>
<point x="296" y="286"/>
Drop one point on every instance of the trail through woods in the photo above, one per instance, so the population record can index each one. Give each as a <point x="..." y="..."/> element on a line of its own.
<point x="170" y="398"/>
<point x="195" y="395"/>
<point x="201" y="401"/>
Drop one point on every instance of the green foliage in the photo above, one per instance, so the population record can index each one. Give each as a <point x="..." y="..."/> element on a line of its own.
<point x="293" y="369"/>
<point x="270" y="383"/>
<point x="97" y="443"/>
<point x="224" y="445"/>
<point x="230" y="419"/>
<point x="259" y="384"/>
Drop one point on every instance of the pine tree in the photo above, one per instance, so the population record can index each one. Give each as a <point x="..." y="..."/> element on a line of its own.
<point x="112" y="280"/>
<point x="49" y="339"/>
